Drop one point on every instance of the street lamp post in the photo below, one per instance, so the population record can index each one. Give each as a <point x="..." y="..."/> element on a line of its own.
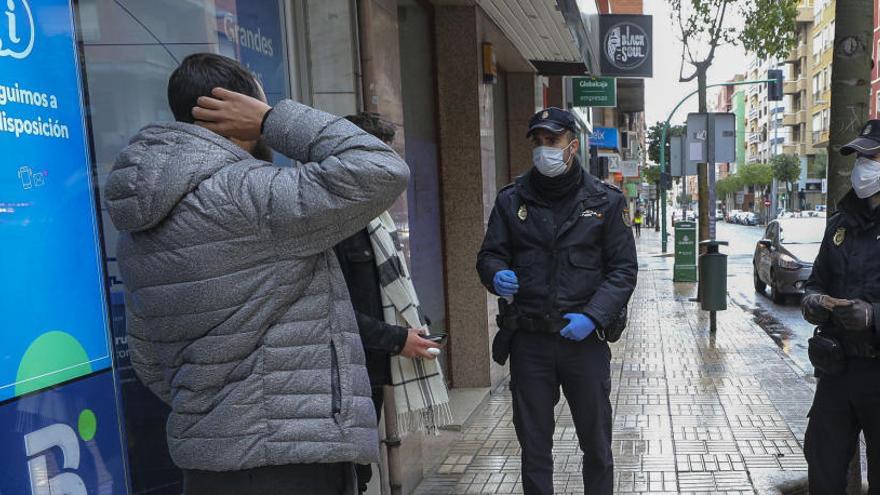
<point x="663" y="239"/>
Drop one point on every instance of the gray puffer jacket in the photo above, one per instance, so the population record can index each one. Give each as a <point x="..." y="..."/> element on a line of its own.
<point x="238" y="315"/>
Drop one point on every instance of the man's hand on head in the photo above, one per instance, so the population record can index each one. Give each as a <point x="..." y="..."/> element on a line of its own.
<point x="231" y="114"/>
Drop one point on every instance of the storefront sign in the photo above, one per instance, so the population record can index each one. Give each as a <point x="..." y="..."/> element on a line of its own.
<point x="594" y="92"/>
<point x="52" y="300"/>
<point x="605" y="137"/>
<point x="627" y="45"/>
<point x="64" y="440"/>
<point x="629" y="168"/>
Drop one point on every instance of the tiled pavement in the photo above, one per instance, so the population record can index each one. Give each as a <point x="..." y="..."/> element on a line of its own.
<point x="693" y="413"/>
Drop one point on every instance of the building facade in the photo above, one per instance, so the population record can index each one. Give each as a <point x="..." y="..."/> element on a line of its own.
<point x="458" y="80"/>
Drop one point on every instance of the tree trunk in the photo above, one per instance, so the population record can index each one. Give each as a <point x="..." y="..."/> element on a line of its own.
<point x="850" y="88"/>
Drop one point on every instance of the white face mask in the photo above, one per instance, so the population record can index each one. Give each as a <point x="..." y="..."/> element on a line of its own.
<point x="866" y="177"/>
<point x="550" y="161"/>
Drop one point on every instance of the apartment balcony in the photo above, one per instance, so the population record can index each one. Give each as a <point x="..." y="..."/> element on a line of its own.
<point x="796" y="54"/>
<point x="789" y="120"/>
<point x="794" y="87"/>
<point x="754" y="138"/>
<point x="805" y="15"/>
<point x="791" y="149"/>
<point x="820" y="139"/>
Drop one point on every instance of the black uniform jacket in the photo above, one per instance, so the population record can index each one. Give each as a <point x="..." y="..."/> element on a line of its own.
<point x="380" y="339"/>
<point x="848" y="264"/>
<point x="587" y="264"/>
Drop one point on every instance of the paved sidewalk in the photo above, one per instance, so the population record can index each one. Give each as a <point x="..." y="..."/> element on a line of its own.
<point x="693" y="413"/>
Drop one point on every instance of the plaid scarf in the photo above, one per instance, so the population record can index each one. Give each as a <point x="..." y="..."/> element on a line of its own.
<point x="419" y="387"/>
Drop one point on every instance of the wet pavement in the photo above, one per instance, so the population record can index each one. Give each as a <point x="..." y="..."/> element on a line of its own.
<point x="693" y="412"/>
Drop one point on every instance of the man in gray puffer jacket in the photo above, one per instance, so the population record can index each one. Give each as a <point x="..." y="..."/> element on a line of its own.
<point x="239" y="317"/>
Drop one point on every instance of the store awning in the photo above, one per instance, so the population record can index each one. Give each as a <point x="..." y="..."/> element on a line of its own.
<point x="559" y="37"/>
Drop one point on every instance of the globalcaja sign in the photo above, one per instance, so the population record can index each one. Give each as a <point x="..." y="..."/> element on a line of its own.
<point x="594" y="91"/>
<point x="627" y="45"/>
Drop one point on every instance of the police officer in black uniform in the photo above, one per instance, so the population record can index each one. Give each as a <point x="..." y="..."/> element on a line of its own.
<point x="843" y="299"/>
<point x="560" y="246"/>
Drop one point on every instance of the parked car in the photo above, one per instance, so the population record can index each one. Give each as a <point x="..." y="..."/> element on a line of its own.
<point x="731" y="216"/>
<point x="749" y="218"/>
<point x="784" y="257"/>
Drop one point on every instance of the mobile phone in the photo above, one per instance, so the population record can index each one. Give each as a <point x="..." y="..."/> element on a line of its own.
<point x="437" y="338"/>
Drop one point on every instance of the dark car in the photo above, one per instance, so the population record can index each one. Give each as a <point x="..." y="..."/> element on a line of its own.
<point x="784" y="257"/>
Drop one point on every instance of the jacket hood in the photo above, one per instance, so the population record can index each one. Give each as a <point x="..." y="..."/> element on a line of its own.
<point x="159" y="167"/>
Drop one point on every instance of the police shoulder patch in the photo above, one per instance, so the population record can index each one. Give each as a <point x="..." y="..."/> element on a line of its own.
<point x="611" y="186"/>
<point x="625" y="216"/>
<point x="839" y="236"/>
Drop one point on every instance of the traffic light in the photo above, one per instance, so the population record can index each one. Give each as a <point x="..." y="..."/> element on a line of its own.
<point x="774" y="87"/>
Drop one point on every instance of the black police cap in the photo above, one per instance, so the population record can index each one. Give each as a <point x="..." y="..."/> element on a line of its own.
<point x="868" y="142"/>
<point x="555" y="120"/>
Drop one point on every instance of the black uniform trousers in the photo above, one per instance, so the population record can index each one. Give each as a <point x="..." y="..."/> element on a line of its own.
<point x="843" y="406"/>
<point x="539" y="364"/>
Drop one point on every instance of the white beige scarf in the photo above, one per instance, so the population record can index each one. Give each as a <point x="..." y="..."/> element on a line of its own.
<point x="419" y="387"/>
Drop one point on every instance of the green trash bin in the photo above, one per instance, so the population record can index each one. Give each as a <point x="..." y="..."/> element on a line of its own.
<point x="685" y="269"/>
<point x="713" y="277"/>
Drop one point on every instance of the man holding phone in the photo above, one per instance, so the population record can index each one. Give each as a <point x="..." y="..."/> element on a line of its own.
<point x="382" y="340"/>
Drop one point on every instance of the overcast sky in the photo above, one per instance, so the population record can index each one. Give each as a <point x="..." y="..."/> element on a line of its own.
<point x="663" y="91"/>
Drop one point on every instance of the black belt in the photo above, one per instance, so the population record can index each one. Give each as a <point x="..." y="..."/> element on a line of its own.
<point x="856" y="348"/>
<point x="540" y="325"/>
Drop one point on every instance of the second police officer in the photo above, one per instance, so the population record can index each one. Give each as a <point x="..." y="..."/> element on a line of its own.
<point x="843" y="299"/>
<point x="560" y="246"/>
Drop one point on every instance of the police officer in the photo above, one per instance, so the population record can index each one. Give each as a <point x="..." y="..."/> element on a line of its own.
<point x="843" y="299"/>
<point x="559" y="244"/>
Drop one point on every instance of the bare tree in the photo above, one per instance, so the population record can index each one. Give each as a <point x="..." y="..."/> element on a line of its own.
<point x="764" y="27"/>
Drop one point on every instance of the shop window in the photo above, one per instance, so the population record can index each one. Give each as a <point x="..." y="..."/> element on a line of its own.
<point x="130" y="50"/>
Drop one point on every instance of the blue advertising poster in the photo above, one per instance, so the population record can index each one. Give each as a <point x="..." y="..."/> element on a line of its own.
<point x="54" y="316"/>
<point x="250" y="32"/>
<point x="604" y="137"/>
<point x="63" y="440"/>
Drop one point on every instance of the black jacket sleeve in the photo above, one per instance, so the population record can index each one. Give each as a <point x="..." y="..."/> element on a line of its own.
<point x="620" y="267"/>
<point x="819" y="277"/>
<point x="495" y="254"/>
<point x="380" y="336"/>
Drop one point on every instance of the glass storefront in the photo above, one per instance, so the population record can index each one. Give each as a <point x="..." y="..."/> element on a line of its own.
<point x="66" y="110"/>
<point x="130" y="49"/>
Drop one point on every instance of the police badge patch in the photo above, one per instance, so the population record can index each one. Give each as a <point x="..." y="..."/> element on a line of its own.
<point x="522" y="213"/>
<point x="839" y="236"/>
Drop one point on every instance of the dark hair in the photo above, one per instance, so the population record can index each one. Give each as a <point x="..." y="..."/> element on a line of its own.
<point x="199" y="74"/>
<point x="373" y="124"/>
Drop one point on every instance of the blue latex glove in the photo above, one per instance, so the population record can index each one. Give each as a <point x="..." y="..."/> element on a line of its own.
<point x="580" y="327"/>
<point x="505" y="283"/>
